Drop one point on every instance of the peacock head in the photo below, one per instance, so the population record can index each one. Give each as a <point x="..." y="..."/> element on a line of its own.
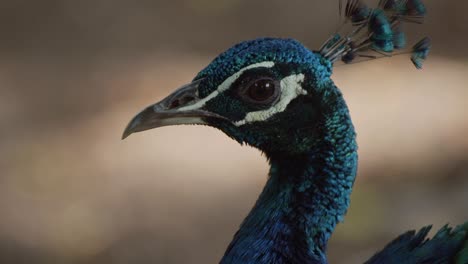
<point x="268" y="93"/>
<point x="277" y="95"/>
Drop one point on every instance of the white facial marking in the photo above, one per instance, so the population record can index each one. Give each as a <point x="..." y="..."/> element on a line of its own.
<point x="225" y="85"/>
<point x="290" y="89"/>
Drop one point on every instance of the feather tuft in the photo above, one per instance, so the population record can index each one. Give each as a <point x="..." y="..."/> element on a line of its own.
<point x="389" y="5"/>
<point x="410" y="11"/>
<point x="447" y="246"/>
<point x="415" y="8"/>
<point x="462" y="256"/>
<point x="350" y="56"/>
<point x="420" y="52"/>
<point x="381" y="31"/>
<point x="357" y="12"/>
<point x="399" y="37"/>
<point x="375" y="33"/>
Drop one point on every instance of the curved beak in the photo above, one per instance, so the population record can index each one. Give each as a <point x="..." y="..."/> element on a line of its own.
<point x="181" y="107"/>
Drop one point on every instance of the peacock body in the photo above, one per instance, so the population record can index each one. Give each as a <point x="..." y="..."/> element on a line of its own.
<point x="278" y="96"/>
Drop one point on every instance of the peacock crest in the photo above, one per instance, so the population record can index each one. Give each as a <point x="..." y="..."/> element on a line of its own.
<point x="371" y="33"/>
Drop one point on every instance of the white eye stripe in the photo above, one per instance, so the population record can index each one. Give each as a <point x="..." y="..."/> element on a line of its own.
<point x="225" y="85"/>
<point x="290" y="89"/>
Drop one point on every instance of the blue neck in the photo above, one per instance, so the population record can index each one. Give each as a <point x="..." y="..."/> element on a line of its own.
<point x="303" y="200"/>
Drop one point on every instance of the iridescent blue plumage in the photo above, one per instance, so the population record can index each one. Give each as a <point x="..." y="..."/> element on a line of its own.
<point x="278" y="96"/>
<point x="259" y="50"/>
<point x="312" y="170"/>
<point x="447" y="246"/>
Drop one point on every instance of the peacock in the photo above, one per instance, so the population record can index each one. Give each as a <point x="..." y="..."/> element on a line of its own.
<point x="278" y="96"/>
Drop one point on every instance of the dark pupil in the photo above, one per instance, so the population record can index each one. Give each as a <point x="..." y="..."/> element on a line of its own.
<point x="261" y="90"/>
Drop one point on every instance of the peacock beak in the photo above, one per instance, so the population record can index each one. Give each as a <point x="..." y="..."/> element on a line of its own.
<point x="181" y="107"/>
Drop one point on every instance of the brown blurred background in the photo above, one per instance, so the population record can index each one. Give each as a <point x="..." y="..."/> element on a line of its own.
<point x="73" y="73"/>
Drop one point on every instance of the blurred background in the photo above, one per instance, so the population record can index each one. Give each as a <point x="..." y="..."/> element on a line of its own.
<point x="73" y="73"/>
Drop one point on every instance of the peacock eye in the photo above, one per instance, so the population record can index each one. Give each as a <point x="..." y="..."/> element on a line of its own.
<point x="263" y="90"/>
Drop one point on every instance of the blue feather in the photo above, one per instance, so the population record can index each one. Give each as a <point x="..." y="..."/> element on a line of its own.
<point x="414" y="8"/>
<point x="381" y="30"/>
<point x="389" y="5"/>
<point x="399" y="40"/>
<point x="409" y="10"/>
<point x="399" y="37"/>
<point x="421" y="52"/>
<point x="384" y="32"/>
<point x="447" y="246"/>
<point x="357" y="11"/>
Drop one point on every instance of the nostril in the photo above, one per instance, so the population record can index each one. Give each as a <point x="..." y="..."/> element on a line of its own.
<point x="186" y="99"/>
<point x="174" y="104"/>
<point x="181" y="101"/>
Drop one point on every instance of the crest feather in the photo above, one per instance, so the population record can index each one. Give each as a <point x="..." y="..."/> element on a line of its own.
<point x="376" y="32"/>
